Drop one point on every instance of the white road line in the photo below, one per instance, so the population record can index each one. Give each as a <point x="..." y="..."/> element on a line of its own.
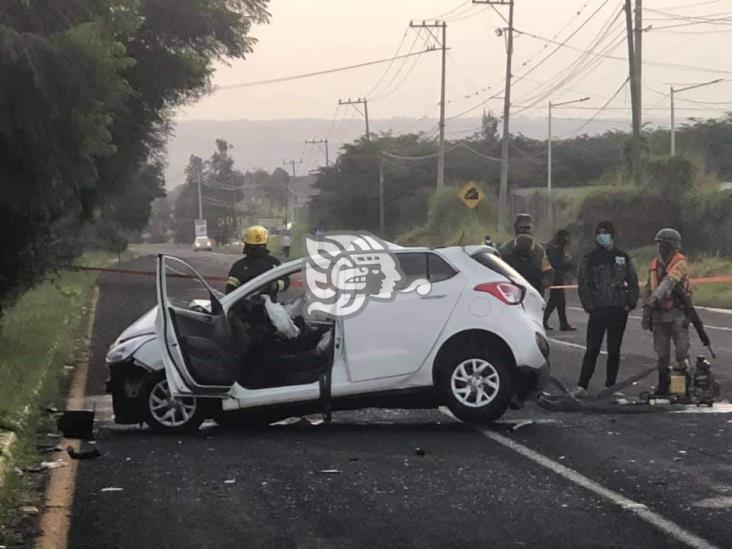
<point x="716" y="310"/>
<point x="573" y="345"/>
<point x="634" y="317"/>
<point x="641" y="510"/>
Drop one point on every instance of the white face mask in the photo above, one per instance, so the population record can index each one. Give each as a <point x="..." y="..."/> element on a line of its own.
<point x="605" y="240"/>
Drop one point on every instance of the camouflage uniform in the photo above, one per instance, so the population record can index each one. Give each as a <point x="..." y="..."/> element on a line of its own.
<point x="664" y="313"/>
<point x="537" y="270"/>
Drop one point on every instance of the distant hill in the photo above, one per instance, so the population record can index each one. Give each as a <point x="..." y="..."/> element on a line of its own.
<point x="266" y="143"/>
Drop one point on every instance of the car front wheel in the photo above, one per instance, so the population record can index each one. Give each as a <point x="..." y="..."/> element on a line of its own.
<point x="478" y="387"/>
<point x="165" y="413"/>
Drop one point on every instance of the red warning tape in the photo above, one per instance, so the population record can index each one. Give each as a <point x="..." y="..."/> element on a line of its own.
<point x="720" y="279"/>
<point x="297" y="283"/>
<point x="207" y="278"/>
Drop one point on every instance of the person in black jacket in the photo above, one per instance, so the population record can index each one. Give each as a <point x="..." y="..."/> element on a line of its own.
<point x="256" y="260"/>
<point x="521" y="255"/>
<point x="562" y="264"/>
<point x="608" y="291"/>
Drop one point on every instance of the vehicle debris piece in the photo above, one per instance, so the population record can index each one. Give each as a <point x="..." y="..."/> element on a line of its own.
<point x="77" y="424"/>
<point x="85" y="454"/>
<point x="53" y="464"/>
<point x="48" y="448"/>
<point x="522" y="424"/>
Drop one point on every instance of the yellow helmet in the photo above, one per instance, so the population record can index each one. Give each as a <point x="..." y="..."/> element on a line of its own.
<point x="256" y="234"/>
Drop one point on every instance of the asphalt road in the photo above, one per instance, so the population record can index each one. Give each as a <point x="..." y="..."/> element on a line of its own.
<point x="567" y="480"/>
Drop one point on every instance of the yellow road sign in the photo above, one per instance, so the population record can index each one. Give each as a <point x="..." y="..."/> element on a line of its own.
<point x="471" y="195"/>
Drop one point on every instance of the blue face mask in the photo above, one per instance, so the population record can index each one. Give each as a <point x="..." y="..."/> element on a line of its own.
<point x="605" y="240"/>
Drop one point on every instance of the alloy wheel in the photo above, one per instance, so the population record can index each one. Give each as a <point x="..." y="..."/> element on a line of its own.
<point x="475" y="383"/>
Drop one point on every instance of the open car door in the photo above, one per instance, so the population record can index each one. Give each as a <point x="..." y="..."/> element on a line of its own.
<point x="198" y="346"/>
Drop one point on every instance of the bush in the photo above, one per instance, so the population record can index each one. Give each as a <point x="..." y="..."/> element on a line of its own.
<point x="450" y="222"/>
<point x="636" y="213"/>
<point x="708" y="223"/>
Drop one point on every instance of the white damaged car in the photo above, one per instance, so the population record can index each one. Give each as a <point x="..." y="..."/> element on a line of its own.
<point x="474" y="342"/>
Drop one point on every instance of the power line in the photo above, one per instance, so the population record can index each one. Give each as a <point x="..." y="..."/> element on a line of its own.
<point x="600" y="110"/>
<point x="391" y="63"/>
<point x="453" y="10"/>
<point x="562" y="43"/>
<point x="319" y="73"/>
<point x="694" y="4"/>
<point x="387" y="89"/>
<point x="660" y="64"/>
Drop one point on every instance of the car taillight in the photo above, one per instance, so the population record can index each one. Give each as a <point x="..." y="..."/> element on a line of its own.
<point x="509" y="293"/>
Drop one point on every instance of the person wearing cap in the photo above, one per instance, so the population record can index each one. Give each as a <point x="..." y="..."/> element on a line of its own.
<point x="608" y="291"/>
<point x="528" y="254"/>
<point x="562" y="264"/>
<point x="256" y="260"/>
<point x="664" y="305"/>
<point x="523" y="259"/>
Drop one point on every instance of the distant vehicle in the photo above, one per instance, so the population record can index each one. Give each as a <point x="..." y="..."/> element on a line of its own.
<point x="475" y="343"/>
<point x="202" y="243"/>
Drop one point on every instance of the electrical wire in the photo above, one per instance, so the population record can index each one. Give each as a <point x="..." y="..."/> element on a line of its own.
<point x="599" y="111"/>
<point x="389" y="66"/>
<point x="584" y="65"/>
<point x="400" y="68"/>
<point x="453" y="10"/>
<point x="660" y="64"/>
<point x="319" y="73"/>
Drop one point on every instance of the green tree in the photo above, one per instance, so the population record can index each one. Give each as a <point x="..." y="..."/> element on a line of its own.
<point x="88" y="91"/>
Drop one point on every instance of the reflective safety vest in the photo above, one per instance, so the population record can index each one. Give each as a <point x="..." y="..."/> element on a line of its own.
<point x="658" y="272"/>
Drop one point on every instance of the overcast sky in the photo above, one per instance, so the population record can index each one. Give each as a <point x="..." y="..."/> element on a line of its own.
<point x="312" y="35"/>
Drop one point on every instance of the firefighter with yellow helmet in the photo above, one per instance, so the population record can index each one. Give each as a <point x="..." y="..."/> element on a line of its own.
<point x="256" y="260"/>
<point x="664" y="309"/>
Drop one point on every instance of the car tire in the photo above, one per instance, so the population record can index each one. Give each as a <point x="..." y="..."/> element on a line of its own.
<point x="165" y="414"/>
<point x="477" y="386"/>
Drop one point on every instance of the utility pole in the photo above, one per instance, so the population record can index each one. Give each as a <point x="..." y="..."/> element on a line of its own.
<point x="381" y="197"/>
<point x="550" y="208"/>
<point x="638" y="45"/>
<point x="503" y="188"/>
<point x="360" y="101"/>
<point x="674" y="91"/>
<point x="200" y="200"/>
<point x="634" y="89"/>
<point x="292" y="164"/>
<point x="443" y="44"/>
<point x="320" y="142"/>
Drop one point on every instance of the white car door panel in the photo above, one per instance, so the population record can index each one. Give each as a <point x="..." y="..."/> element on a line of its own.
<point x="198" y="348"/>
<point x="394" y="338"/>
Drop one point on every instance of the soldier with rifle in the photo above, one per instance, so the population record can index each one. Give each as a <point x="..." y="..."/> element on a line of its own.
<point x="667" y="308"/>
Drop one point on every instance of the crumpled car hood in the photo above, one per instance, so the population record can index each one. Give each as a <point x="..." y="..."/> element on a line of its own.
<point x="145" y="325"/>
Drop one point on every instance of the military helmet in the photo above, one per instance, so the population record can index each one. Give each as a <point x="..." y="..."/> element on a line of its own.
<point x="670" y="236"/>
<point x="256" y="234"/>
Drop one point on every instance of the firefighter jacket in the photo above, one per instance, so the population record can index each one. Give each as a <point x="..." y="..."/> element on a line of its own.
<point x="252" y="264"/>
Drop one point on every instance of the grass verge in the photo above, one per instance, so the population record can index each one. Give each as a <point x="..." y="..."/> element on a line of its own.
<point x="39" y="337"/>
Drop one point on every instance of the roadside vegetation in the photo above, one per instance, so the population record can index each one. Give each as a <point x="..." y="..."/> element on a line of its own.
<point x="40" y="338"/>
